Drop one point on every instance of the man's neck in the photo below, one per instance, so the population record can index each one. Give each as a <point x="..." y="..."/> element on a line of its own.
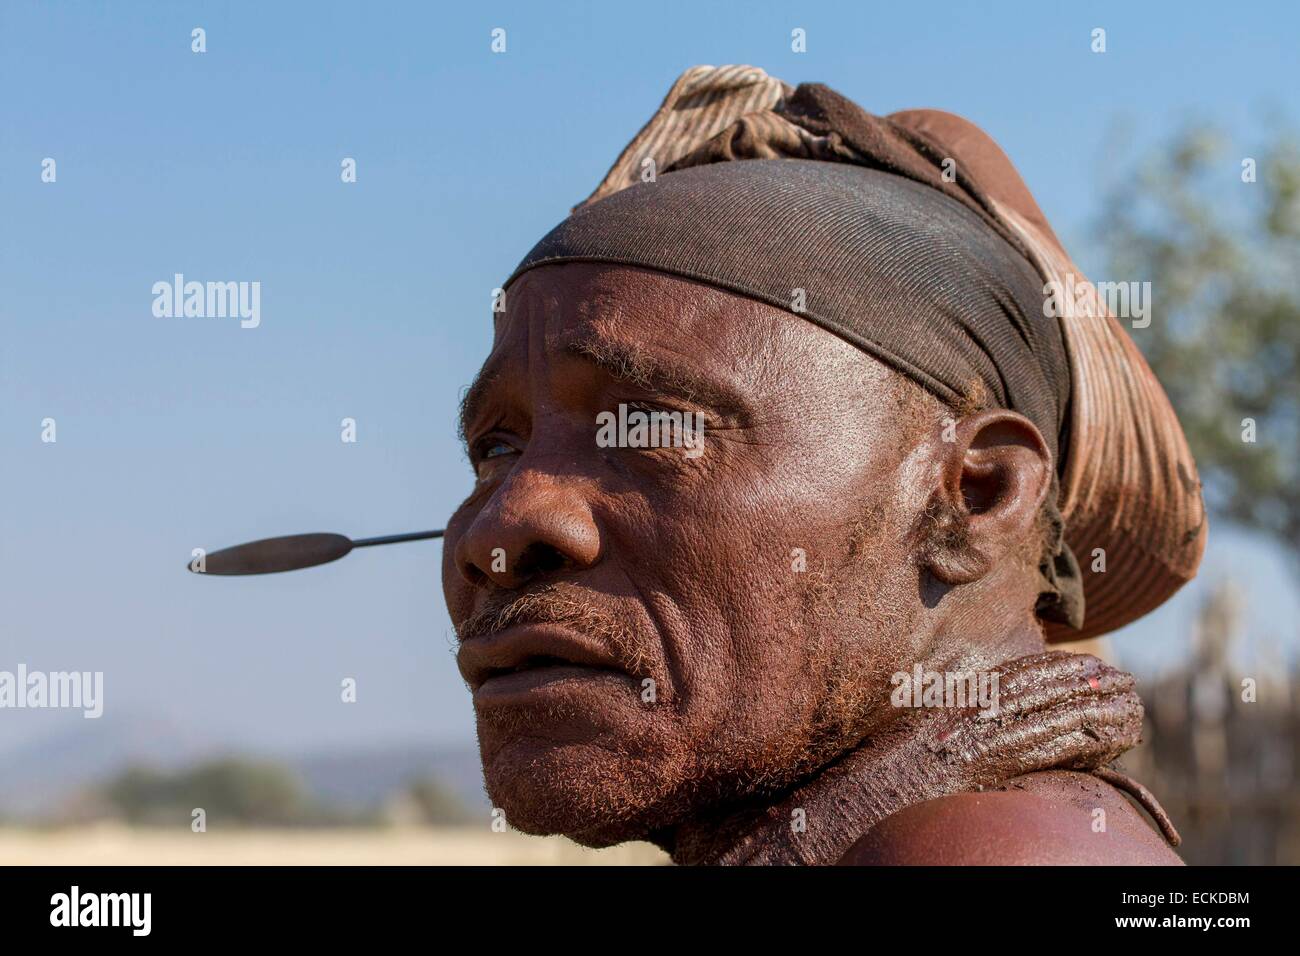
<point x="819" y="818"/>
<point x="814" y="822"/>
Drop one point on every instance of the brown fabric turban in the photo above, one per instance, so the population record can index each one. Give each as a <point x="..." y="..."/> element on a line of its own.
<point x="913" y="237"/>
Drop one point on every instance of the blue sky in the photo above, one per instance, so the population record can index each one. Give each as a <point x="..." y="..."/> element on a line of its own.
<point x="175" y="434"/>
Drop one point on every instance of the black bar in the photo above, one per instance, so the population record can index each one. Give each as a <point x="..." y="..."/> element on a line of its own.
<point x="944" y="910"/>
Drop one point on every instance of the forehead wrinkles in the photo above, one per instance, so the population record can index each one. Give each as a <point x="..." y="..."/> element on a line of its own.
<point x="647" y="326"/>
<point x="536" y="318"/>
<point x="672" y="333"/>
<point x="520" y="338"/>
<point x="600" y="315"/>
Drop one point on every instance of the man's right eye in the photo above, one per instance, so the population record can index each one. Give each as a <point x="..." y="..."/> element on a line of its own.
<point x="489" y="454"/>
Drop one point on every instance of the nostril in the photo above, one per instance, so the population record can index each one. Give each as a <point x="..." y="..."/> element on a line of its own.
<point x="471" y="573"/>
<point x="540" y="559"/>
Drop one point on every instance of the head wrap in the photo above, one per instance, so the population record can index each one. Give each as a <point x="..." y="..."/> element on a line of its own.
<point x="913" y="237"/>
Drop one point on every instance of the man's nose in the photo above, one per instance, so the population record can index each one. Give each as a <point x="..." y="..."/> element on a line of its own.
<point x="536" y="524"/>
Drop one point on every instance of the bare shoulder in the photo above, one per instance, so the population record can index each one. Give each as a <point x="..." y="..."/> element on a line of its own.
<point x="1053" y="818"/>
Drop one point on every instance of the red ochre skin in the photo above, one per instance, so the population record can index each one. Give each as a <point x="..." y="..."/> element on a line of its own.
<point x="769" y="588"/>
<point x="1047" y="818"/>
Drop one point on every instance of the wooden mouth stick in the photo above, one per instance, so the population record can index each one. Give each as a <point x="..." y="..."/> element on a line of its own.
<point x="292" y="552"/>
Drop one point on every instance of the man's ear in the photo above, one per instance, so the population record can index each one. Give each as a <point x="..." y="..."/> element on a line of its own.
<point x="995" y="475"/>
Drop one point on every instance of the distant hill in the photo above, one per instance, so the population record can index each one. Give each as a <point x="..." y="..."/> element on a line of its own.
<point x="36" y="779"/>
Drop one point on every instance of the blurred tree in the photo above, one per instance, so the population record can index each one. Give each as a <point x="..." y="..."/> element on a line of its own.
<point x="1222" y="253"/>
<point x="235" y="791"/>
<point x="437" y="806"/>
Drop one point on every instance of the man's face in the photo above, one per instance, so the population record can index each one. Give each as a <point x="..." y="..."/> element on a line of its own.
<point x="647" y="632"/>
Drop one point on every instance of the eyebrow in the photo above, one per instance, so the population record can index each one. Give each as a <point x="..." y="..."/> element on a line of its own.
<point x="624" y="363"/>
<point x="474" y="399"/>
<point x="644" y="369"/>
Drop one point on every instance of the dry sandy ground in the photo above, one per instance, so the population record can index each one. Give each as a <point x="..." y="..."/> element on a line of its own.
<point x="121" y="846"/>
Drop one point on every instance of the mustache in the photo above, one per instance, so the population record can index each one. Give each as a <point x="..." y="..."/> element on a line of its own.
<point x="559" y="603"/>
